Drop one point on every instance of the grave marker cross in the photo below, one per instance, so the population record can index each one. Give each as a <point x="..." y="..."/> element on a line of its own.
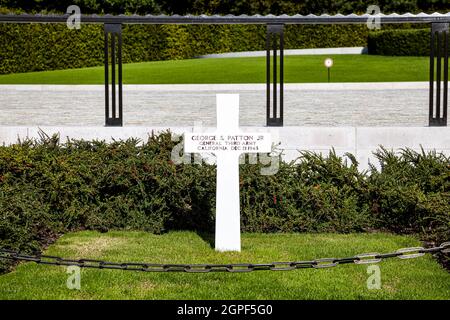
<point x="227" y="143"/>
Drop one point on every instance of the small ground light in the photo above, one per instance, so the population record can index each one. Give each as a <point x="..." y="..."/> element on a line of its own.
<point x="328" y="64"/>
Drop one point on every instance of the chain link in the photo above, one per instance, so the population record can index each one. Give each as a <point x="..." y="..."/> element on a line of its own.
<point x="409" y="253"/>
<point x="366" y="258"/>
<point x="445" y="247"/>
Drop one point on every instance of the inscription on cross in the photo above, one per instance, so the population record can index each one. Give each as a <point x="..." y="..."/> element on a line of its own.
<point x="227" y="143"/>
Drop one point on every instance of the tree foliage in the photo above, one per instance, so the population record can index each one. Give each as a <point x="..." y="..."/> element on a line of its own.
<point x="227" y="6"/>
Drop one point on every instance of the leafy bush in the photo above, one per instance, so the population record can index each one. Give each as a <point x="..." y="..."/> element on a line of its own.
<point x="412" y="193"/>
<point x="314" y="194"/>
<point x="39" y="47"/>
<point x="48" y="188"/>
<point x="400" y="42"/>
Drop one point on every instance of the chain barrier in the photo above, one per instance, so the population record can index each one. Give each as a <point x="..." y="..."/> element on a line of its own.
<point x="366" y="258"/>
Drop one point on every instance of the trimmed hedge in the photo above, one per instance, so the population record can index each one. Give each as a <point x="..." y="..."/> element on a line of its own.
<point x="39" y="47"/>
<point x="48" y="188"/>
<point x="408" y="42"/>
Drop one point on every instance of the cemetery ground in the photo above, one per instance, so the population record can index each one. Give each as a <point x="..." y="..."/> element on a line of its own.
<point x="420" y="278"/>
<point x="298" y="69"/>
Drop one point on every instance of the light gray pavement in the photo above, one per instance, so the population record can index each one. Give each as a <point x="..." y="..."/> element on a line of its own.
<point x="336" y="104"/>
<point x="290" y="52"/>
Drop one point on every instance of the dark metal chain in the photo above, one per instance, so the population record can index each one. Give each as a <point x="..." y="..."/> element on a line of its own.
<point x="366" y="258"/>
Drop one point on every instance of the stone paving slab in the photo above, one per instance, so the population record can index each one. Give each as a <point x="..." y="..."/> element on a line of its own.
<point x="290" y="52"/>
<point x="350" y="104"/>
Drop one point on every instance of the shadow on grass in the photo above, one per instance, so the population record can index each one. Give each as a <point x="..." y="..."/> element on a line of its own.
<point x="208" y="238"/>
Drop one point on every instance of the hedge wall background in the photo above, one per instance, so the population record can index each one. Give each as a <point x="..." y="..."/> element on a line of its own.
<point x="414" y="42"/>
<point x="38" y="47"/>
<point x="32" y="47"/>
<point x="48" y="188"/>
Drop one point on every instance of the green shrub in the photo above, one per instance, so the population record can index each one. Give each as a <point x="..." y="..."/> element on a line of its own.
<point x="400" y="42"/>
<point x="316" y="194"/>
<point x="48" y="187"/>
<point x="412" y="193"/>
<point x="39" y="47"/>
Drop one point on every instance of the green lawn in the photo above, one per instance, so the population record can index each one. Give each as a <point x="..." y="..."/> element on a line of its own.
<point x="421" y="278"/>
<point x="298" y="69"/>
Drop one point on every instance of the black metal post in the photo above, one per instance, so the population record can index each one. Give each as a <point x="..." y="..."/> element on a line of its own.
<point x="113" y="48"/>
<point x="274" y="41"/>
<point x="439" y="49"/>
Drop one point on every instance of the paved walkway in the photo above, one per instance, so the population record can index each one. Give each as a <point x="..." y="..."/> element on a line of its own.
<point x="290" y="52"/>
<point x="360" y="104"/>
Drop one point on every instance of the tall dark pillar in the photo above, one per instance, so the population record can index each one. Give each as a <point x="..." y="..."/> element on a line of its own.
<point x="274" y="42"/>
<point x="113" y="54"/>
<point x="438" y="93"/>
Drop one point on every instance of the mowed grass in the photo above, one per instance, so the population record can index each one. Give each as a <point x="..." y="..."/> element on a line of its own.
<point x="420" y="278"/>
<point x="298" y="69"/>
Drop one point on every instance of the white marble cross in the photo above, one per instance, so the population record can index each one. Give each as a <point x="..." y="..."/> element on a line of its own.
<point x="227" y="143"/>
